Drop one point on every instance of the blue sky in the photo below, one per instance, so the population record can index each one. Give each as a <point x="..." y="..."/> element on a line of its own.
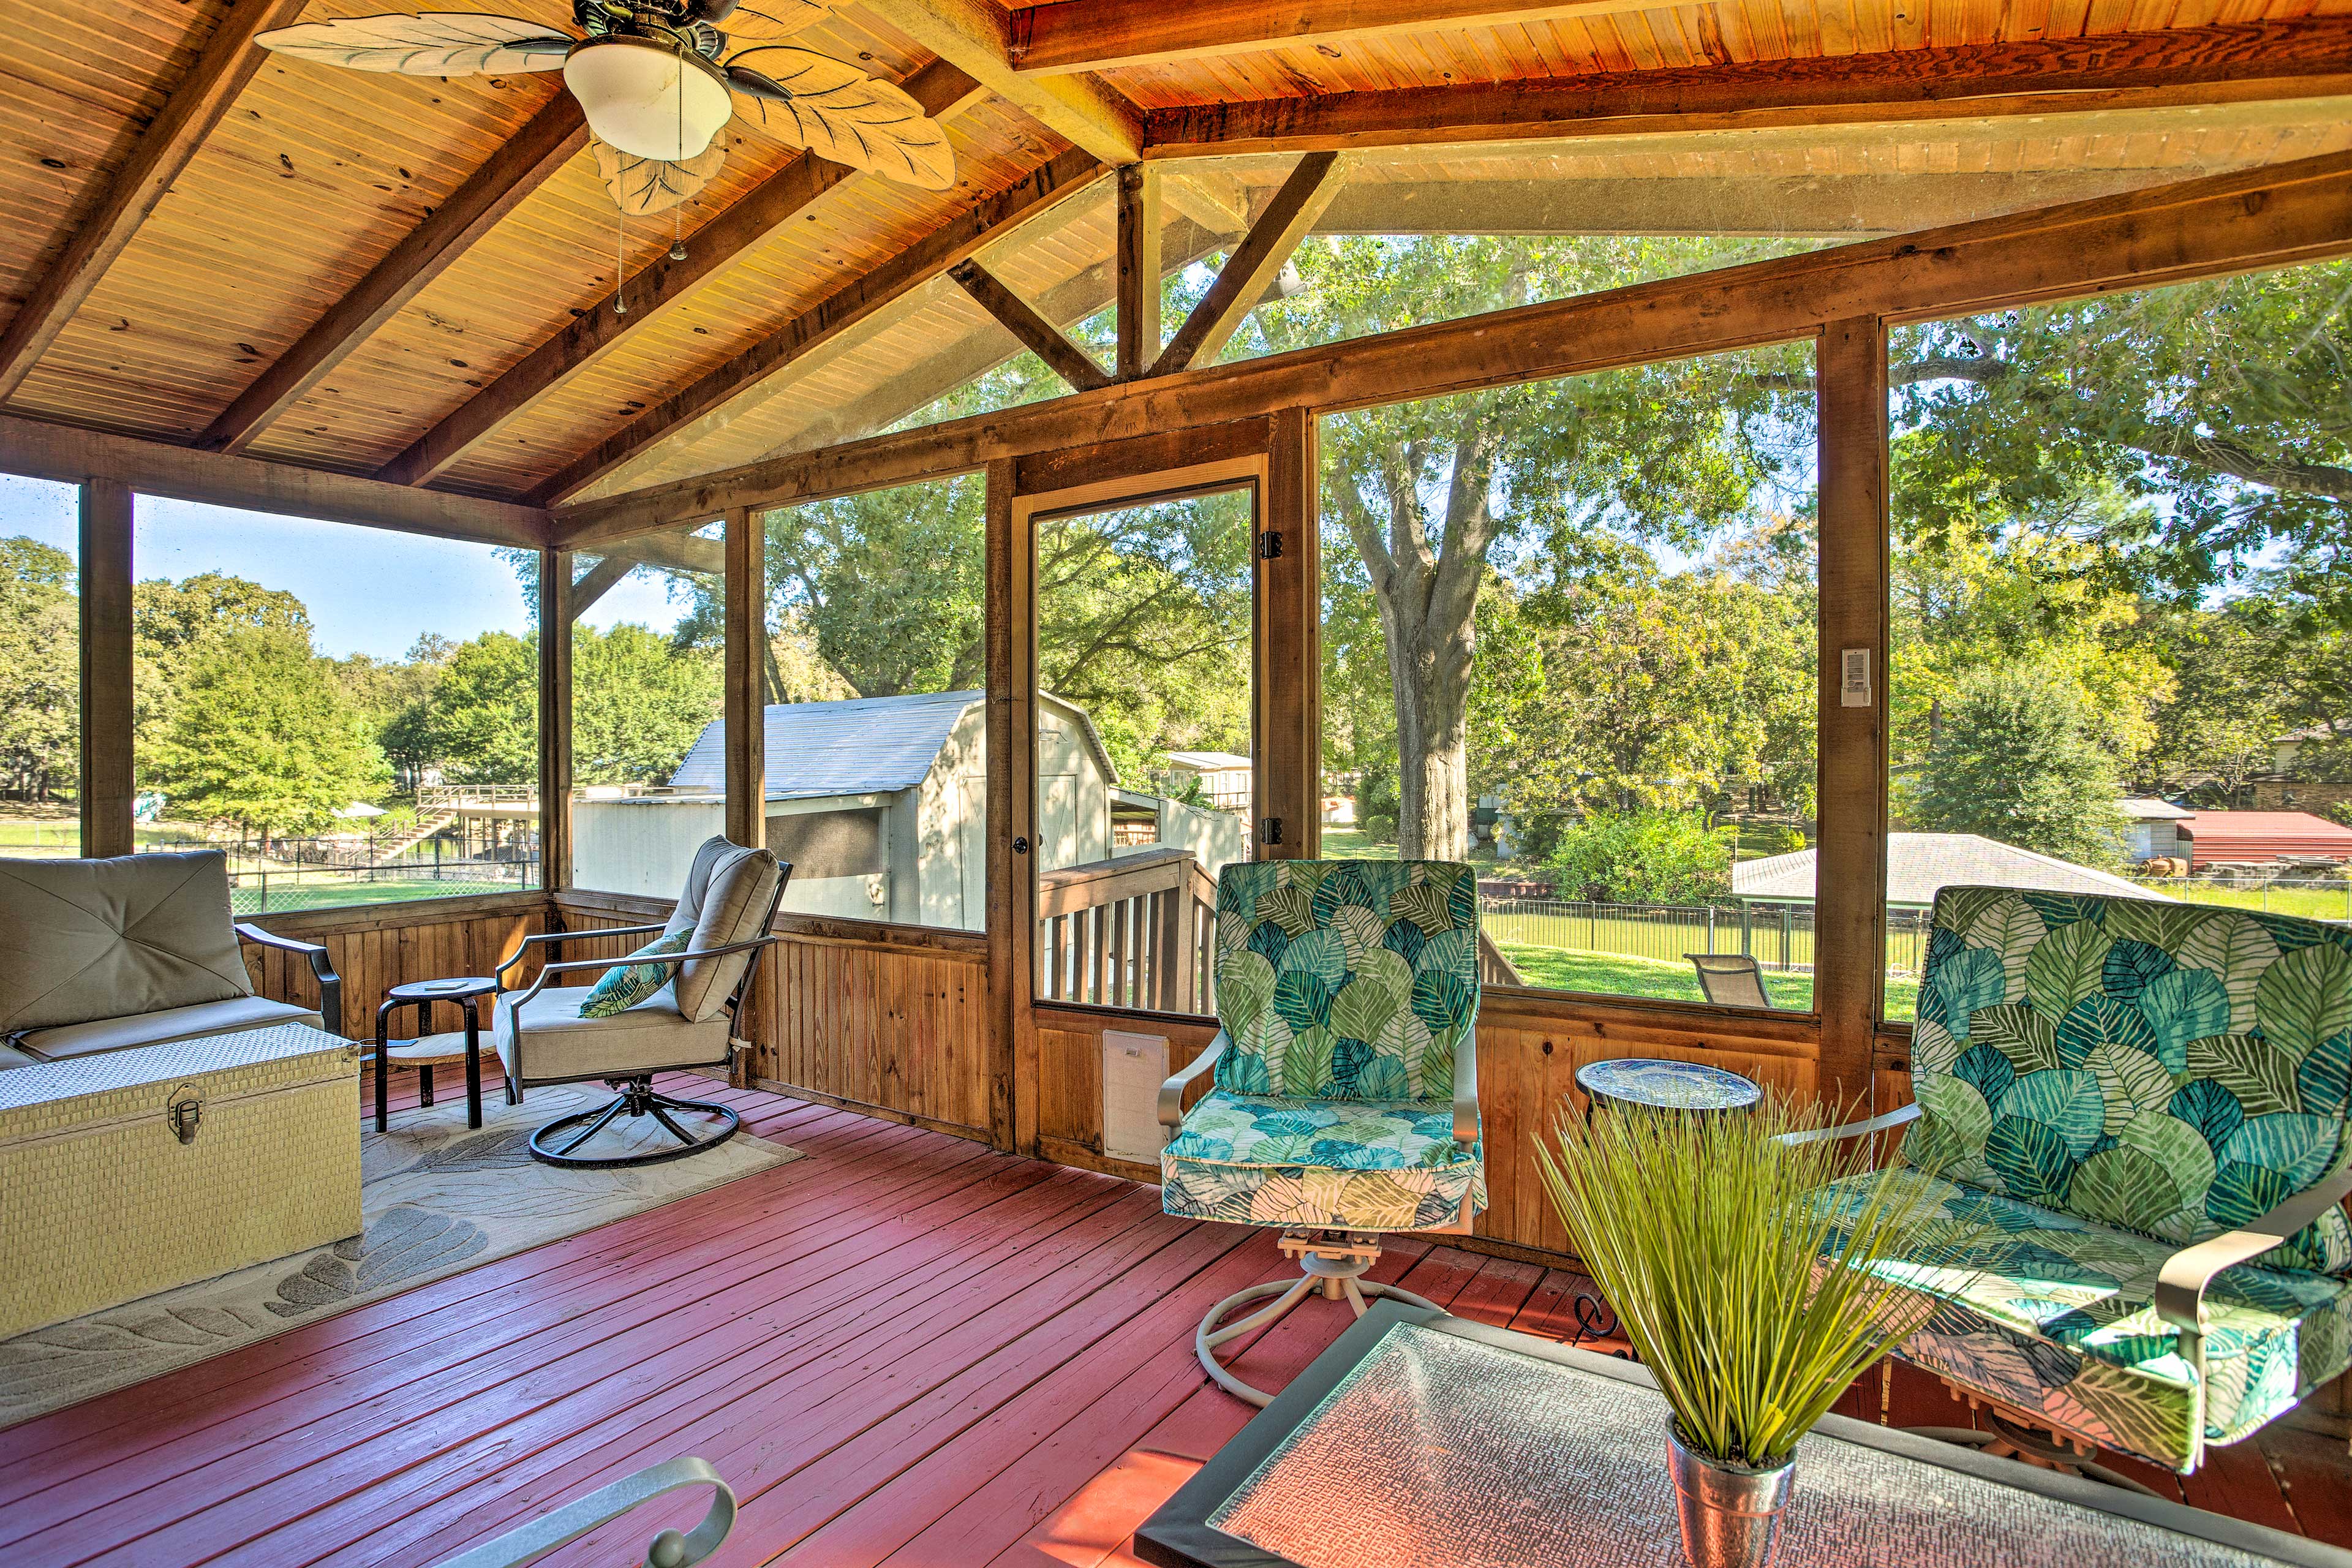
<point x="369" y="590"/>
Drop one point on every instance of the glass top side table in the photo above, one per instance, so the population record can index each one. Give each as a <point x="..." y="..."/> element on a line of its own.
<point x="1422" y="1439"/>
<point x="1664" y="1085"/>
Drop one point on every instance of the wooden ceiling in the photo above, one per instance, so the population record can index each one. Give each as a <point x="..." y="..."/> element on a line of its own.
<point x="413" y="279"/>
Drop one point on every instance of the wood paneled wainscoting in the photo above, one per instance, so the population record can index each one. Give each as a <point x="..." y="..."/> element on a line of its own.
<point x="1529" y="1047"/>
<point x="890" y="1020"/>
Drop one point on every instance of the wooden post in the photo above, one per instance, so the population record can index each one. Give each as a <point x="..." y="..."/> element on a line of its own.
<point x="1850" y="864"/>
<point x="747" y="709"/>
<point x="105" y="574"/>
<point x="1012" y="656"/>
<point x="555" y="720"/>
<point x="1290" y="639"/>
<point x="1139" y="269"/>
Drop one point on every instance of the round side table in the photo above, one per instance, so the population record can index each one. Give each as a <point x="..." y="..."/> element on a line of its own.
<point x="427" y="1050"/>
<point x="1655" y="1084"/>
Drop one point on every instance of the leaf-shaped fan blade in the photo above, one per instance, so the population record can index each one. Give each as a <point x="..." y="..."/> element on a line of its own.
<point x="437" y="43"/>
<point x="642" y="187"/>
<point x="838" y="111"/>
<point x="758" y="19"/>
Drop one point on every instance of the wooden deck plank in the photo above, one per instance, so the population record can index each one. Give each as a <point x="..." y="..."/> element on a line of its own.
<point x="902" y="1348"/>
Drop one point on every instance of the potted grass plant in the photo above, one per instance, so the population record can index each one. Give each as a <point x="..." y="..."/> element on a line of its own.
<point x="1738" y="1263"/>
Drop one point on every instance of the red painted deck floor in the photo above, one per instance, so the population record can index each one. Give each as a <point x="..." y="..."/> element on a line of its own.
<point x="903" y="1349"/>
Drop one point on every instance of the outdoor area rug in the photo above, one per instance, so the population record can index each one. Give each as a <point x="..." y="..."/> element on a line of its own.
<point x="434" y="1197"/>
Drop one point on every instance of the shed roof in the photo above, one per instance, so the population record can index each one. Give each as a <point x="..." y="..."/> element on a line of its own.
<point x="861" y="745"/>
<point x="2147" y="808"/>
<point x="1919" y="863"/>
<point x="2263" y="835"/>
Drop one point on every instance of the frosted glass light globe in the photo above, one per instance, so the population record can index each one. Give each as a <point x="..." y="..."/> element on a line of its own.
<point x="647" y="97"/>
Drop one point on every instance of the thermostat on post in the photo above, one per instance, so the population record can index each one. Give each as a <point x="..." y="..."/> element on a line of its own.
<point x="1854" y="683"/>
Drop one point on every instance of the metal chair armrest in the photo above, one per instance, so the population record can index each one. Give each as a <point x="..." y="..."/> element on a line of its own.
<point x="665" y="960"/>
<point x="1172" y="1093"/>
<point x="322" y="968"/>
<point x="541" y="939"/>
<point x="1885" y="1123"/>
<point x="2180" y="1284"/>
<point x="1465" y="1089"/>
<point x="601" y="1507"/>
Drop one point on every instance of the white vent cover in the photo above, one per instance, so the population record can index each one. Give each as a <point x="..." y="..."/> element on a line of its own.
<point x="1133" y="1068"/>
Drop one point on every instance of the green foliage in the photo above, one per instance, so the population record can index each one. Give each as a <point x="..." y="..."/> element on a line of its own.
<point x="478" y="721"/>
<point x="2018" y="758"/>
<point x="888" y="583"/>
<point x="261" y="736"/>
<point x="1747" y="1292"/>
<point x="40" y="671"/>
<point x="638" y="703"/>
<point x="1644" y="858"/>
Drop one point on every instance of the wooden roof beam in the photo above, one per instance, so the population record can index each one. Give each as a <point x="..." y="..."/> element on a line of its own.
<point x="69" y="454"/>
<point x="229" y="62"/>
<point x="943" y="90"/>
<point x="1254" y="265"/>
<point x="2226" y="63"/>
<point x="1036" y="334"/>
<point x="1138" y="272"/>
<point x="519" y="166"/>
<point x="1102" y="34"/>
<point x="973" y="34"/>
<point x="856" y="302"/>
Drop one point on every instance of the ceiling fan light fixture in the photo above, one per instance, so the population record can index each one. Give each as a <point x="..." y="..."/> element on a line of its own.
<point x="647" y="97"/>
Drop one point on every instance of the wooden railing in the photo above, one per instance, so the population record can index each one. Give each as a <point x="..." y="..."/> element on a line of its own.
<point x="1131" y="931"/>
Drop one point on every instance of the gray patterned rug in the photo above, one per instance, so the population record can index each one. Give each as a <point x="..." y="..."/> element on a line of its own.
<point x="435" y="1198"/>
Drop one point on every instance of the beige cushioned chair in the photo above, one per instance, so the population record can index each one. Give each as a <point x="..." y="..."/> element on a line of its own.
<point x="140" y="950"/>
<point x="728" y="902"/>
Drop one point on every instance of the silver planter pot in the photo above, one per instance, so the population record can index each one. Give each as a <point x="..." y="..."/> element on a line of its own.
<point x="1730" y="1515"/>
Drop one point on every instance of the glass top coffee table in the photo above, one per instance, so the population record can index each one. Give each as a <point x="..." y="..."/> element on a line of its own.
<point x="1425" y="1440"/>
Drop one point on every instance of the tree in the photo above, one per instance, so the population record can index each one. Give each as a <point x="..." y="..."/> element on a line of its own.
<point x="40" y="675"/>
<point x="2231" y="694"/>
<point x="1646" y="857"/>
<point x="262" y="736"/>
<point x="638" y="703"/>
<point x="170" y="623"/>
<point x="479" y="721"/>
<point x="2017" y="760"/>
<point x="889" y="583"/>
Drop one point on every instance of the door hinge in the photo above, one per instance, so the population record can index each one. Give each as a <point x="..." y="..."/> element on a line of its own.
<point x="1269" y="546"/>
<point x="1269" y="830"/>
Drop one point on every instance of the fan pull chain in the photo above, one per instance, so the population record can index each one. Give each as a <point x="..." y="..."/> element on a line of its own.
<point x="621" y="264"/>
<point x="677" y="233"/>
<point x="677" y="218"/>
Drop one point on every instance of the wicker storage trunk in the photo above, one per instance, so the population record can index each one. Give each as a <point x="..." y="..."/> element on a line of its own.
<point x="112" y="1188"/>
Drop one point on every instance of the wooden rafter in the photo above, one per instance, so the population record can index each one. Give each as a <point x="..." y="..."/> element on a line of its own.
<point x="1254" y="265"/>
<point x="227" y="63"/>
<point x="1138" y="272"/>
<point x="1036" y="334"/>
<point x="69" y="454"/>
<point x="782" y="197"/>
<point x="971" y="34"/>
<point x="2224" y="63"/>
<point x="2278" y="215"/>
<point x="928" y="259"/>
<point x="519" y="167"/>
<point x="1099" y="35"/>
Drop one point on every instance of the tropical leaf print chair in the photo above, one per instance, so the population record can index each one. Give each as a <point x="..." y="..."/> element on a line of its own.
<point x="2133" y="1113"/>
<point x="1346" y="1097"/>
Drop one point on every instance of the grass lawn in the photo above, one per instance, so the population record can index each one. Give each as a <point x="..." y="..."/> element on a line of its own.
<point x="2320" y="903"/>
<point x="1615" y="974"/>
<point x="323" y="893"/>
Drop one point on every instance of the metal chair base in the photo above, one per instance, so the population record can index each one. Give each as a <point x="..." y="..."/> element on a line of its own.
<point x="1334" y="1263"/>
<point x="555" y="1143"/>
<point x="2013" y="1435"/>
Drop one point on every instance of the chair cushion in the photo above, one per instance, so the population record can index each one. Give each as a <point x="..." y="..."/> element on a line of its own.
<point x="707" y="857"/>
<point x="83" y="939"/>
<point x="1374" y="1164"/>
<point x="205" y="1019"/>
<point x="624" y="985"/>
<point x="548" y="1040"/>
<point x="2172" y="1070"/>
<point x="2051" y="1313"/>
<point x="734" y="904"/>
<point x="1346" y="979"/>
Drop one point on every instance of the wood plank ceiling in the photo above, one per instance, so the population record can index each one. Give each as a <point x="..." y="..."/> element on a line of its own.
<point x="483" y="354"/>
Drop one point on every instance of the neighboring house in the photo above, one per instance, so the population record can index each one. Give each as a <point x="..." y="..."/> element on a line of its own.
<point x="2262" y="838"/>
<point x="1225" y="777"/>
<point x="1919" y="863"/>
<point x="2281" y="790"/>
<point x="2155" y="828"/>
<point x="880" y="804"/>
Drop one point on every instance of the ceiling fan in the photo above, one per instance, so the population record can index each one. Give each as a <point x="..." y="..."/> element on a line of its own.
<point x="654" y="78"/>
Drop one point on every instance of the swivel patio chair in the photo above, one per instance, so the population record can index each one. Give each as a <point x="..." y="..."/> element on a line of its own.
<point x="710" y="948"/>
<point x="2133" y="1113"/>
<point x="1345" y="1105"/>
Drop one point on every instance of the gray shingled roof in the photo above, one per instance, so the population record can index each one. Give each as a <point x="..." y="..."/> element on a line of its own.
<point x="862" y="746"/>
<point x="1919" y="863"/>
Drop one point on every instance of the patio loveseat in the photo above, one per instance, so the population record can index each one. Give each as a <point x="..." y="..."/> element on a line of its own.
<point x="2134" y="1113"/>
<point x="140" y="950"/>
